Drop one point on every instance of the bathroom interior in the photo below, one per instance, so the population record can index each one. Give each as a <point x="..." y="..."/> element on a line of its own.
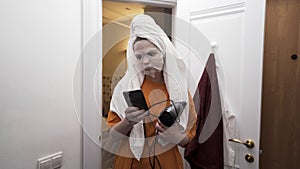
<point x="47" y="87"/>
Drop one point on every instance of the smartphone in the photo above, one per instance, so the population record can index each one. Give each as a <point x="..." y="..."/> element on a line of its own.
<point x="135" y="98"/>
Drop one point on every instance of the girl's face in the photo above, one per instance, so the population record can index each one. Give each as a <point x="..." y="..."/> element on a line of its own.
<point x="150" y="56"/>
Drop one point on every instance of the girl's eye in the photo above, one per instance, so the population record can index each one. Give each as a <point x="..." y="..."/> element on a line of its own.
<point x="139" y="57"/>
<point x="151" y="53"/>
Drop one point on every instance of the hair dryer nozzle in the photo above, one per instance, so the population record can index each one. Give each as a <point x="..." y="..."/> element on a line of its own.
<point x="171" y="113"/>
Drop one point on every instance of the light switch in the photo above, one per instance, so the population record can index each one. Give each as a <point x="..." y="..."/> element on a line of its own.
<point x="52" y="161"/>
<point x="45" y="164"/>
<point x="57" y="161"/>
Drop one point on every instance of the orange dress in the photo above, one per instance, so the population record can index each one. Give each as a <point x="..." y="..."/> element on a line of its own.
<point x="168" y="156"/>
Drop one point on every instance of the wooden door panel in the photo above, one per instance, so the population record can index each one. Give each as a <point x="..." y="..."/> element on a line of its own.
<point x="280" y="130"/>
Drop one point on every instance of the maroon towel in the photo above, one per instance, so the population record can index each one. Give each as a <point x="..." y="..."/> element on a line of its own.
<point x="209" y="154"/>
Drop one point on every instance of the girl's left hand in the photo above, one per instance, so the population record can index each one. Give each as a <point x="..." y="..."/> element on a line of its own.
<point x="172" y="134"/>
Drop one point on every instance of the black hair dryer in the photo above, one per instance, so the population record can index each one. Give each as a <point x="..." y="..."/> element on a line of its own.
<point x="171" y="113"/>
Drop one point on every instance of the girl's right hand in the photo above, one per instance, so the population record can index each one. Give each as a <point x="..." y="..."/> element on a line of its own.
<point x="134" y="115"/>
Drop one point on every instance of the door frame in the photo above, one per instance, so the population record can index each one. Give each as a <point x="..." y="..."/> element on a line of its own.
<point x="92" y="26"/>
<point x="90" y="119"/>
<point x="154" y="3"/>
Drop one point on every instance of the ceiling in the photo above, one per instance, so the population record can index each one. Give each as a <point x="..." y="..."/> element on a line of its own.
<point x="120" y="12"/>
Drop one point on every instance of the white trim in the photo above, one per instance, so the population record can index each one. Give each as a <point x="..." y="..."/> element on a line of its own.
<point x="91" y="120"/>
<point x="218" y="11"/>
<point x="158" y="3"/>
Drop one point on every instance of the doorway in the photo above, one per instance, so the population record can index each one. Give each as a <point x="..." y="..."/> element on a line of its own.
<point x="116" y="18"/>
<point x="280" y="129"/>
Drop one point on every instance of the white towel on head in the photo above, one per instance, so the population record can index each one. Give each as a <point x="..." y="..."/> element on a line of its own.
<point x="174" y="72"/>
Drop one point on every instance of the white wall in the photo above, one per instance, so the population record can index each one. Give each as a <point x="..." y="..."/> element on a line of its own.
<point x="39" y="47"/>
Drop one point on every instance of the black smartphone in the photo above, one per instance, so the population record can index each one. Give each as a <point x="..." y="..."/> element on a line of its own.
<point x="135" y="98"/>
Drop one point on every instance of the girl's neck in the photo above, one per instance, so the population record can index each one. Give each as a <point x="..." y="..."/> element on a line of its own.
<point x="157" y="77"/>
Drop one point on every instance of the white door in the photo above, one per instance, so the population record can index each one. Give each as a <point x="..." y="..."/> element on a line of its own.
<point x="238" y="29"/>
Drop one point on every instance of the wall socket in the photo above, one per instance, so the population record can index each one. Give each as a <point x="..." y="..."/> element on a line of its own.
<point x="53" y="161"/>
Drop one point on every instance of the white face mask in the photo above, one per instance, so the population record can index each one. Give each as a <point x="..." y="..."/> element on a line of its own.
<point x="150" y="57"/>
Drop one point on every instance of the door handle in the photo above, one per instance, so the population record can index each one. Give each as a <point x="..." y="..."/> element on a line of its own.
<point x="248" y="143"/>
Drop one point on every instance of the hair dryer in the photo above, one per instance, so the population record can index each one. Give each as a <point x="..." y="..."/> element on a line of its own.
<point x="171" y="113"/>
